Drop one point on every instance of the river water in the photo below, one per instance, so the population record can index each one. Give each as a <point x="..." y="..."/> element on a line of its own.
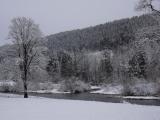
<point x="98" y="97"/>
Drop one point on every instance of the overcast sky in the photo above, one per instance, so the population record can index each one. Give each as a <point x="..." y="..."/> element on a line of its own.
<point x="55" y="16"/>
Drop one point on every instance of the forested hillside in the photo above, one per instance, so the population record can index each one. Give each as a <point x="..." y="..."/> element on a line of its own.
<point x="105" y="36"/>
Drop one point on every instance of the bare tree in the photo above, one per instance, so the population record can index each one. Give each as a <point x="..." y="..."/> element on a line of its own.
<point x="25" y="35"/>
<point x="148" y="5"/>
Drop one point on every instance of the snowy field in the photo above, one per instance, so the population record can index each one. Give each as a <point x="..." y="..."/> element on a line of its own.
<point x="14" y="107"/>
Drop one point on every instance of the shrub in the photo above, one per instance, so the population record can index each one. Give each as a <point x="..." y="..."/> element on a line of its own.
<point x="74" y="85"/>
<point x="80" y="86"/>
<point x="127" y="91"/>
<point x="141" y="87"/>
<point x="112" y="88"/>
<point x="6" y="87"/>
<point x="19" y="86"/>
<point x="46" y="86"/>
<point x="145" y="89"/>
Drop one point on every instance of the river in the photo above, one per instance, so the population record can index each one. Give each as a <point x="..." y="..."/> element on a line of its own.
<point x="98" y="97"/>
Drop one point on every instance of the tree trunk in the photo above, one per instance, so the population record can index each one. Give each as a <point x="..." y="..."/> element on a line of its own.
<point x="25" y="90"/>
<point x="25" y="95"/>
<point x="25" y="83"/>
<point x="25" y="64"/>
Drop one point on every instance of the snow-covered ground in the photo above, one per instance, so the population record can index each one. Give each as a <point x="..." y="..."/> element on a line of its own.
<point x="17" y="108"/>
<point x="95" y="87"/>
<point x="142" y="97"/>
<point x="49" y="91"/>
<point x="109" y="89"/>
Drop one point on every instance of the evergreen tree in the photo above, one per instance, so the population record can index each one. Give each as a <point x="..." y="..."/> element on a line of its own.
<point x="65" y="61"/>
<point x="138" y="65"/>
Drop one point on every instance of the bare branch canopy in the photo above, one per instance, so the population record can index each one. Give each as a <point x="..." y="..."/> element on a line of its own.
<point x="25" y="35"/>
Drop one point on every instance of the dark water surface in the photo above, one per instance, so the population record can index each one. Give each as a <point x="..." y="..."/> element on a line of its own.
<point x="97" y="97"/>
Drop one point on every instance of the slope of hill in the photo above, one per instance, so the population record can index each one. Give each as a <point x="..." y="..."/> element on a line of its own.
<point x="109" y="35"/>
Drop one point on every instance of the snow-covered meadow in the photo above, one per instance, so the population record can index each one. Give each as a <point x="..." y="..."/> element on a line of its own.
<point x="14" y="107"/>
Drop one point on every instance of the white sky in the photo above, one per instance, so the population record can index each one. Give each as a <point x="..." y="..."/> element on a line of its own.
<point x="55" y="16"/>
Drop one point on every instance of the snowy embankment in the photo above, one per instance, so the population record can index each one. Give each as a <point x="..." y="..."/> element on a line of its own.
<point x="49" y="91"/>
<point x="18" y="108"/>
<point x="108" y="89"/>
<point x="142" y="97"/>
<point x="118" y="91"/>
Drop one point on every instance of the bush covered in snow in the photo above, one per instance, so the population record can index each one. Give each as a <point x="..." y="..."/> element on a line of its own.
<point x="141" y="87"/>
<point x="113" y="88"/>
<point x="145" y="88"/>
<point x="127" y="91"/>
<point x="6" y="87"/>
<point x="46" y="86"/>
<point x="18" y="86"/>
<point x="32" y="86"/>
<point x="74" y="85"/>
